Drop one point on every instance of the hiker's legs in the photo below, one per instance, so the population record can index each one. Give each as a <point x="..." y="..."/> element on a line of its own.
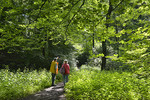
<point x="67" y="78"/>
<point x="64" y="79"/>
<point x="53" y="78"/>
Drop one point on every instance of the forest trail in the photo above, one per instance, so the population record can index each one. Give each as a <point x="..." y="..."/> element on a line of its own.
<point x="51" y="93"/>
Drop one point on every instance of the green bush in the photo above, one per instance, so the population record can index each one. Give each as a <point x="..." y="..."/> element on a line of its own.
<point x="20" y="84"/>
<point x="94" y="84"/>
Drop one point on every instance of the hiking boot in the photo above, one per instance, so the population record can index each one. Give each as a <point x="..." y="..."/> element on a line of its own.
<point x="53" y="85"/>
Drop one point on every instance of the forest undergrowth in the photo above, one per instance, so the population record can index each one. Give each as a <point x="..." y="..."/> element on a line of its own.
<point x="88" y="83"/>
<point x="15" y="85"/>
<point x="94" y="84"/>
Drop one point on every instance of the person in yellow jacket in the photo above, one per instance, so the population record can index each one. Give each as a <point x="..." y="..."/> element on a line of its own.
<point x="54" y="70"/>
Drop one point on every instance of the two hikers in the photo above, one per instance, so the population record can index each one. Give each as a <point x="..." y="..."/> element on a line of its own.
<point x="54" y="70"/>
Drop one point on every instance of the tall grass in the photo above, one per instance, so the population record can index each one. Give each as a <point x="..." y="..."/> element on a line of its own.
<point x="89" y="84"/>
<point x="20" y="84"/>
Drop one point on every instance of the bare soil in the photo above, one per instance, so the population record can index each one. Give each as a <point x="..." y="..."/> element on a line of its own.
<point x="51" y="93"/>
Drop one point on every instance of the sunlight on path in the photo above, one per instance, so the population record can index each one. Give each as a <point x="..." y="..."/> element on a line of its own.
<point x="52" y="93"/>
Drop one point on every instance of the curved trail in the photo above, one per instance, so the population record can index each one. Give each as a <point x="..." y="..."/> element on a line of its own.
<point x="51" y="93"/>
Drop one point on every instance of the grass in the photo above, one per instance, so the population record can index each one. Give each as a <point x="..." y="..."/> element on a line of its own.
<point x="93" y="84"/>
<point x="20" y="84"/>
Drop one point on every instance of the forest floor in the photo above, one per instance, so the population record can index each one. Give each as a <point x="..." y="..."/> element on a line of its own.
<point x="51" y="93"/>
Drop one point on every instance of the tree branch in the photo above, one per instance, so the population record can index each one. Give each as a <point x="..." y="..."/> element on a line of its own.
<point x="108" y="12"/>
<point x="66" y="14"/>
<point x="40" y="9"/>
<point x="100" y="20"/>
<point x="73" y="17"/>
<point x="117" y="5"/>
<point x="69" y="11"/>
<point x="38" y="13"/>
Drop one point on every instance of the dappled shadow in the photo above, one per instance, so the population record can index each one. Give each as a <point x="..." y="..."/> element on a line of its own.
<point x="52" y="93"/>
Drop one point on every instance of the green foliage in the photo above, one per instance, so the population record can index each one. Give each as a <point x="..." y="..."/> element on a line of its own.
<point x="93" y="84"/>
<point x="30" y="35"/>
<point x="15" y="85"/>
<point x="51" y="27"/>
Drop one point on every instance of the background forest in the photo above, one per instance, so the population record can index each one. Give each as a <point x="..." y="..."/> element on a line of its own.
<point x="33" y="32"/>
<point x="109" y="34"/>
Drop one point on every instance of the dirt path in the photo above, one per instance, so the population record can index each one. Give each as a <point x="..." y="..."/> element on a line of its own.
<point x="51" y="93"/>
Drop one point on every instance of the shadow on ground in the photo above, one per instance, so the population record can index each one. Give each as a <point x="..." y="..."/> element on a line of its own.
<point x="52" y="93"/>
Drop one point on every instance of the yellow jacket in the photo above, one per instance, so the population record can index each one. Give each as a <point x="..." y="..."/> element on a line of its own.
<point x="52" y="67"/>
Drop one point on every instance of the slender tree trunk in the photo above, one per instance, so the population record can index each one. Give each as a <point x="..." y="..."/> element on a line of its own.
<point x="93" y="49"/>
<point x="43" y="51"/>
<point x="104" y="57"/>
<point x="117" y="39"/>
<point x="104" y="45"/>
<point x="93" y="40"/>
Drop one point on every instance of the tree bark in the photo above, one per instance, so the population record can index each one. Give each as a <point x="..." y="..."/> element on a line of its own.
<point x="104" y="57"/>
<point x="117" y="40"/>
<point x="104" y="45"/>
<point x="93" y="41"/>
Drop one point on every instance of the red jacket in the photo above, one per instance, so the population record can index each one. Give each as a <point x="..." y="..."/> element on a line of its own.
<point x="67" y="68"/>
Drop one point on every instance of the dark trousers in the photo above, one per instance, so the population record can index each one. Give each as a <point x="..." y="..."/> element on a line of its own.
<point x="53" y="78"/>
<point x="65" y="78"/>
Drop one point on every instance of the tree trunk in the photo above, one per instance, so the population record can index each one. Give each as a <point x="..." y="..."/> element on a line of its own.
<point x="117" y="40"/>
<point x="104" y="45"/>
<point x="93" y="40"/>
<point x="104" y="57"/>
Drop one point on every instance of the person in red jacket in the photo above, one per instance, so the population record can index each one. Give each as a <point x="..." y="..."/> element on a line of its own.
<point x="67" y="71"/>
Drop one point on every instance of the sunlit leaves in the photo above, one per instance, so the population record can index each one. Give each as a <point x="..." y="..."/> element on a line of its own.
<point x="137" y="51"/>
<point x="96" y="56"/>
<point x="111" y="31"/>
<point x="114" y="57"/>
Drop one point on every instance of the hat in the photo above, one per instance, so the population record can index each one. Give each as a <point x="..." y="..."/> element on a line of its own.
<point x="66" y="60"/>
<point x="55" y="58"/>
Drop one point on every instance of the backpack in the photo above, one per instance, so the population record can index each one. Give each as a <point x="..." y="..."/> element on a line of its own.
<point x="62" y="70"/>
